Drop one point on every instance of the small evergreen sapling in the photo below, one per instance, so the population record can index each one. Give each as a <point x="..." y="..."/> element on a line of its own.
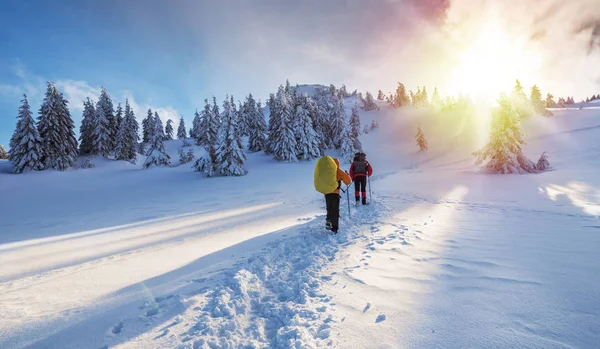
<point x="542" y="164"/>
<point x="181" y="131"/>
<point x="169" y="132"/>
<point x="421" y="141"/>
<point x="3" y="153"/>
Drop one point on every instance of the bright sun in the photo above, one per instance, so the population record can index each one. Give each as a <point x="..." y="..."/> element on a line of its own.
<point x="492" y="63"/>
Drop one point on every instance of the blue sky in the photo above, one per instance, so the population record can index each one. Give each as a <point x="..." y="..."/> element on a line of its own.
<point x="170" y="55"/>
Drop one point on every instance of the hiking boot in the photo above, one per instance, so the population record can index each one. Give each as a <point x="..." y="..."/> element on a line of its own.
<point x="328" y="225"/>
<point x="364" y="201"/>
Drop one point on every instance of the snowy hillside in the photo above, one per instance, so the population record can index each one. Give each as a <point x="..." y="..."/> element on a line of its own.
<point x="444" y="257"/>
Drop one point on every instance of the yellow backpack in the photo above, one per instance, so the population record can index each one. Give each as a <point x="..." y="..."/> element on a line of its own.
<point x="326" y="175"/>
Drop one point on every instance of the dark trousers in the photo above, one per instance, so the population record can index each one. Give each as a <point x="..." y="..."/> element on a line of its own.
<point x="332" y="201"/>
<point x="360" y="186"/>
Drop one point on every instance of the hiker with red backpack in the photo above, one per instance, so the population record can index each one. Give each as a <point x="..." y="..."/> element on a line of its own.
<point x="359" y="171"/>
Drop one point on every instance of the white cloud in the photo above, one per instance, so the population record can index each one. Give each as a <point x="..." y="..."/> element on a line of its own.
<point x="76" y="92"/>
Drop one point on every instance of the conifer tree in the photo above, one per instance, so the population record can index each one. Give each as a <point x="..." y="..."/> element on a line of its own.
<point x="156" y="155"/>
<point x="424" y="97"/>
<point x="355" y="122"/>
<point x="436" y="100"/>
<point x="106" y="104"/>
<point x="421" y="141"/>
<point x="230" y="156"/>
<point x="196" y="127"/>
<point x="3" y="153"/>
<point x="86" y="131"/>
<point x="380" y="96"/>
<point x="169" y="132"/>
<point x="350" y="144"/>
<point x="201" y="127"/>
<point x="55" y="127"/>
<point x="148" y="127"/>
<point x="119" y="115"/>
<point x="25" y="144"/>
<point x="504" y="149"/>
<point x="370" y="103"/>
<point x="338" y="122"/>
<point x="521" y="103"/>
<point x="282" y="139"/>
<point x="539" y="105"/>
<point x="274" y="119"/>
<point x="401" y="98"/>
<point x="307" y="142"/>
<point x="181" y="131"/>
<point x="158" y="126"/>
<point x="216" y="113"/>
<point x="101" y="143"/>
<point x="257" y="127"/>
<point x="127" y="138"/>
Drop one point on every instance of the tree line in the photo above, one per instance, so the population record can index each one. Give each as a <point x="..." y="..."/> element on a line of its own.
<point x="300" y="127"/>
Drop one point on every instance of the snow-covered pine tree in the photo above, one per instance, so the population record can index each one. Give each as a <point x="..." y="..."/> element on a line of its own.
<point x="25" y="144"/>
<point x="158" y="126"/>
<point x="543" y="164"/>
<point x="55" y="127"/>
<point x="307" y="142"/>
<point x="344" y="92"/>
<point x="106" y="104"/>
<point x="421" y="141"/>
<point x="504" y="149"/>
<point x="401" y="98"/>
<point x="101" y="143"/>
<point x="86" y="131"/>
<point x="369" y="102"/>
<point x="156" y="155"/>
<point x="148" y="127"/>
<point x="230" y="155"/>
<point x="374" y="125"/>
<point x="216" y="113"/>
<point x="550" y="103"/>
<point x="282" y="139"/>
<point x="361" y="100"/>
<point x="366" y="129"/>
<point x="201" y="125"/>
<point x="337" y="120"/>
<point x="538" y="104"/>
<point x="424" y="97"/>
<point x="3" y="153"/>
<point x="257" y="127"/>
<point x="195" y="131"/>
<point x="380" y="96"/>
<point x="355" y="122"/>
<point x="127" y="138"/>
<point x="350" y="145"/>
<point x="436" y="100"/>
<point x="119" y="115"/>
<point x="181" y="132"/>
<point x="521" y="102"/>
<point x="274" y="119"/>
<point x="320" y="110"/>
<point x="169" y="132"/>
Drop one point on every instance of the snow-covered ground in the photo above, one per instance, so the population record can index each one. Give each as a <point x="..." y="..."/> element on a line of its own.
<point x="120" y="257"/>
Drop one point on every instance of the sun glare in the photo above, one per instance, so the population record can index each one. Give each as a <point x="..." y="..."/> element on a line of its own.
<point x="492" y="63"/>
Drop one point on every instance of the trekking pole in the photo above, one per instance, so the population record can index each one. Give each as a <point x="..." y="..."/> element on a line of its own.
<point x="370" y="195"/>
<point x="348" y="199"/>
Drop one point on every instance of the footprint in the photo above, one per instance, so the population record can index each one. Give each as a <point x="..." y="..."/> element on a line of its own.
<point x="367" y="307"/>
<point x="116" y="329"/>
<point x="380" y="318"/>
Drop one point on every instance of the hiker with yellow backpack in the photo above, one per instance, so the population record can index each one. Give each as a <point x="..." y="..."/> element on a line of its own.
<point x="328" y="181"/>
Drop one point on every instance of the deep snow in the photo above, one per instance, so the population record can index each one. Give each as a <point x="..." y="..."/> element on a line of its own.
<point x="117" y="256"/>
